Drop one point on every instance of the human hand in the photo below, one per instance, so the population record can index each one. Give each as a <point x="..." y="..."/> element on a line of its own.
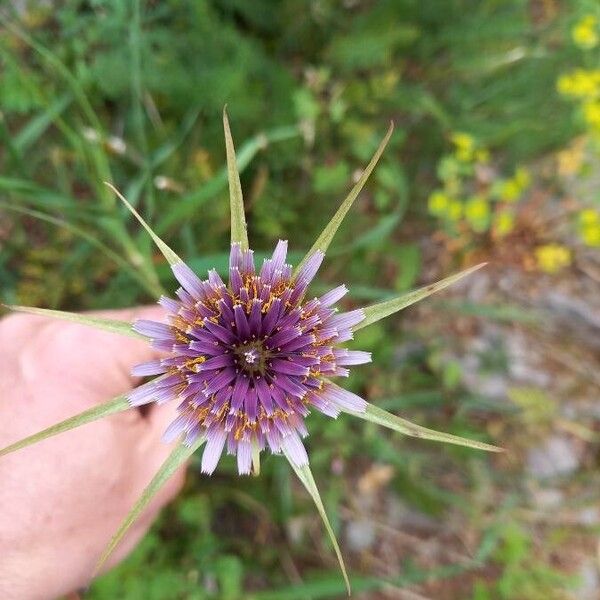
<point x="62" y="500"/>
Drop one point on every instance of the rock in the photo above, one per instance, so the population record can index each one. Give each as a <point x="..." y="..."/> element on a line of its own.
<point x="557" y="456"/>
<point x="547" y="498"/>
<point x="589" y="582"/>
<point x="360" y="534"/>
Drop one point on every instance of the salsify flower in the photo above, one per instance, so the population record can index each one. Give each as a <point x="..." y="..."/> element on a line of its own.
<point x="247" y="361"/>
<point x="250" y="359"/>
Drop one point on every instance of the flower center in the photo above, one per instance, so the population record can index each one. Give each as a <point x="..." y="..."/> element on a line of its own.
<point x="251" y="357"/>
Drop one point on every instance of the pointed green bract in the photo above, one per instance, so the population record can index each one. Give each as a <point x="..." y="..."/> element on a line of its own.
<point x="169" y="254"/>
<point x="377" y="415"/>
<point x="326" y="236"/>
<point x="176" y="459"/>
<point x="308" y="481"/>
<point x="384" y="309"/>
<point x="112" y="325"/>
<point x="113" y="406"/>
<point x="239" y="232"/>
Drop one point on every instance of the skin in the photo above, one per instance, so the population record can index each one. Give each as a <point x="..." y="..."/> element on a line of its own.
<point x="62" y="499"/>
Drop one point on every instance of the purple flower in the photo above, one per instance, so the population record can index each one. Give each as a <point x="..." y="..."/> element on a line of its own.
<point x="250" y="359"/>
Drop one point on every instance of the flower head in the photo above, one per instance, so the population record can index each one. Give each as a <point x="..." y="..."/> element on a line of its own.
<point x="585" y="32"/>
<point x="251" y="358"/>
<point x="551" y="258"/>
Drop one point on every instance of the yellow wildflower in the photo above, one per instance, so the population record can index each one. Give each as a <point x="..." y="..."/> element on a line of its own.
<point x="590" y="234"/>
<point x="580" y="83"/>
<point x="505" y="223"/>
<point x="588" y="216"/>
<point x="589" y="227"/>
<point x="455" y="210"/>
<point x="510" y="190"/>
<point x="482" y="156"/>
<point x="477" y="213"/>
<point x="465" y="146"/>
<point x="591" y="113"/>
<point x="522" y="177"/>
<point x="585" y="32"/>
<point x="551" y="258"/>
<point x="437" y="203"/>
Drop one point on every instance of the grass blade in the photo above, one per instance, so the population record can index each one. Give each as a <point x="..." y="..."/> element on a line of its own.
<point x="379" y="311"/>
<point x="190" y="203"/>
<point x="169" y="254"/>
<point x="93" y="240"/>
<point x="239" y="231"/>
<point x="111" y="407"/>
<point x="308" y="481"/>
<point x="377" y="415"/>
<point x="112" y="325"/>
<point x="177" y="458"/>
<point x="330" y="230"/>
<point x="38" y="125"/>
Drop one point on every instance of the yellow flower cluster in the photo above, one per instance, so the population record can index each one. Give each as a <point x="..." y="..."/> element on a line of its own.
<point x="442" y="205"/>
<point x="504" y="223"/>
<point x="466" y="149"/>
<point x="551" y="258"/>
<point x="589" y="227"/>
<point x="585" y="32"/>
<point x="580" y="84"/>
<point x="591" y="114"/>
<point x="510" y="190"/>
<point x="456" y="203"/>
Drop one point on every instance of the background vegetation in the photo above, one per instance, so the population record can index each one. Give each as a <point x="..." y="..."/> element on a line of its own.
<point x="497" y="112"/>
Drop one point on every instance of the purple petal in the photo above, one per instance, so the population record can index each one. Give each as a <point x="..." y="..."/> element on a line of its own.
<point x="170" y="305"/>
<point x="152" y="367"/>
<point x="283" y="337"/>
<point x="322" y="405"/>
<point x="289" y="386"/>
<point x="346" y="320"/>
<point x="343" y="398"/>
<point x="255" y="320"/>
<point x="215" y="280"/>
<point x="271" y="316"/>
<point x="244" y="457"/>
<point x="190" y="282"/>
<point x="241" y="323"/>
<point x="235" y="281"/>
<point x="222" y="333"/>
<point x="239" y="392"/>
<point x="176" y="428"/>
<point x="264" y="395"/>
<point x="250" y="404"/>
<point x="288" y="367"/>
<point x="216" y="362"/>
<point x="235" y="256"/>
<point x="214" y="448"/>
<point x="219" y="381"/>
<point x="351" y="357"/>
<point x="295" y="449"/>
<point x="299" y="342"/>
<point x="154" y="330"/>
<point x="309" y="269"/>
<point x="211" y="348"/>
<point x="333" y="296"/>
<point x="248" y="263"/>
